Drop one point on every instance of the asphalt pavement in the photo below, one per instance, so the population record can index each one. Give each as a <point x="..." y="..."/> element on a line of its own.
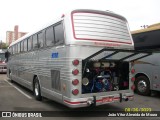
<point x="14" y="97"/>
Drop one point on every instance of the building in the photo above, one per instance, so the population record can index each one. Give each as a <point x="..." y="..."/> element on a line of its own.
<point x="12" y="36"/>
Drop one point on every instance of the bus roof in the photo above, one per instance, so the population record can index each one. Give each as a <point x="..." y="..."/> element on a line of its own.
<point x="149" y="28"/>
<point x="61" y="18"/>
<point x="148" y="38"/>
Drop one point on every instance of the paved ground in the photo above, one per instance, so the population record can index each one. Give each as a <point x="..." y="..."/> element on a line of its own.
<point x="14" y="97"/>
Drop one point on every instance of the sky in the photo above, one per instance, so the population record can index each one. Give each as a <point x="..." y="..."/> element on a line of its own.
<point x="29" y="14"/>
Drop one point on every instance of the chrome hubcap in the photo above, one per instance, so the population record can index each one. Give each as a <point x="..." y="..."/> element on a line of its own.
<point x="142" y="86"/>
<point x="36" y="89"/>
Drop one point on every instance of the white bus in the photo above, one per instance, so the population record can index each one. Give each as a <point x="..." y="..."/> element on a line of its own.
<point x="82" y="59"/>
<point x="147" y="73"/>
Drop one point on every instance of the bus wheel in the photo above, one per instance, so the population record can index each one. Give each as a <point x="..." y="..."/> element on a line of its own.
<point x="37" y="91"/>
<point x="142" y="85"/>
<point x="10" y="73"/>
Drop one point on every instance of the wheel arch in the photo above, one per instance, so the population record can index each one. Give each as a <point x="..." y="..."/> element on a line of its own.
<point x="142" y="74"/>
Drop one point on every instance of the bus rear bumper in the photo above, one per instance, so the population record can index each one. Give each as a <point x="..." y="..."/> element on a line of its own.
<point x="97" y="100"/>
<point x="3" y="70"/>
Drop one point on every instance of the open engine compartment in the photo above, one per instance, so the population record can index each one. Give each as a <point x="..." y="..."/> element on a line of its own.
<point x="104" y="76"/>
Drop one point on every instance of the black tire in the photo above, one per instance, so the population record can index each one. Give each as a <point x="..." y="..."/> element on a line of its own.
<point x="36" y="90"/>
<point x="142" y="85"/>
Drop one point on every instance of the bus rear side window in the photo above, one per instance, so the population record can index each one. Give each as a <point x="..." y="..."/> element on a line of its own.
<point x="50" y="36"/>
<point x="59" y="34"/>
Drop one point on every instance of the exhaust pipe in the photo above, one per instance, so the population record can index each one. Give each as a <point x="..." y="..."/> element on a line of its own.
<point x="124" y="98"/>
<point x="92" y="102"/>
<point x="89" y="102"/>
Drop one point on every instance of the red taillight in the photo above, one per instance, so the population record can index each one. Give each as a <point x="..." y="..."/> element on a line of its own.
<point x="62" y="15"/>
<point x="75" y="82"/>
<point x="133" y="71"/>
<point x="133" y="87"/>
<point x="75" y="72"/>
<point x="75" y="62"/>
<point x="75" y="91"/>
<point x="133" y="79"/>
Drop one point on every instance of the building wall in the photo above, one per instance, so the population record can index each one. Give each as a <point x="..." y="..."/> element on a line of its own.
<point x="12" y="36"/>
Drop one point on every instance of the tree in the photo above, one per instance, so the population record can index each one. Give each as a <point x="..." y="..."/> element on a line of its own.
<point x="3" y="45"/>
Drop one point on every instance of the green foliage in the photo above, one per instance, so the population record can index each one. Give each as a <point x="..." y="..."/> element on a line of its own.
<point x="3" y="45"/>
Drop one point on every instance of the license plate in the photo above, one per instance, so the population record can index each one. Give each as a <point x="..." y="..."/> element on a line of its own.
<point x="107" y="99"/>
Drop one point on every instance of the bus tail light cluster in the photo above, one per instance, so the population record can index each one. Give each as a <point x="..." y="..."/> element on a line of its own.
<point x="133" y="87"/>
<point x="133" y="71"/>
<point x="75" y="92"/>
<point x="75" y="62"/>
<point x="133" y="79"/>
<point x="75" y="72"/>
<point x="75" y="82"/>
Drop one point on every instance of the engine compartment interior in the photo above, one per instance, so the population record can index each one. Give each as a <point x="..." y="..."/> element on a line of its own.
<point x="104" y="76"/>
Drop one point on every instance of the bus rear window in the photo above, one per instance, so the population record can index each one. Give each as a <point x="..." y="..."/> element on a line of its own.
<point x="100" y="27"/>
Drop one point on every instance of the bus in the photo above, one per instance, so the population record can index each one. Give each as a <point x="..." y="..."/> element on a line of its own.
<point x="147" y="69"/>
<point x="82" y="59"/>
<point x="3" y="65"/>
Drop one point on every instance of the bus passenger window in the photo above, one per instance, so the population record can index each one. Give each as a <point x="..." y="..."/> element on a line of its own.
<point x="49" y="36"/>
<point x="40" y="39"/>
<point x="59" y="34"/>
<point x="25" y="45"/>
<point x="18" y="48"/>
<point x="29" y="43"/>
<point x="13" y="49"/>
<point x="21" y="46"/>
<point x="35" y="42"/>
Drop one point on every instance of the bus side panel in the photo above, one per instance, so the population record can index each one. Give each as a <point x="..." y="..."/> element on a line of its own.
<point x="54" y="69"/>
<point x="150" y="67"/>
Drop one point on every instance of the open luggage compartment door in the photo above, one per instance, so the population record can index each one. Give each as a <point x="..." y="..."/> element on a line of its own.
<point x="118" y="55"/>
<point x="108" y="70"/>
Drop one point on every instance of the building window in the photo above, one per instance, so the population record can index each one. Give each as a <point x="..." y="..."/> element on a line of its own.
<point x="50" y="36"/>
